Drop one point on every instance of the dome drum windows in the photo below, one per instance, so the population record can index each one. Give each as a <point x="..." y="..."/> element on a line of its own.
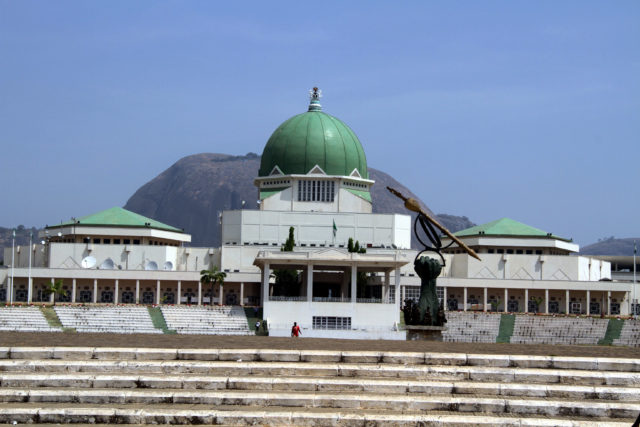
<point x="316" y="191"/>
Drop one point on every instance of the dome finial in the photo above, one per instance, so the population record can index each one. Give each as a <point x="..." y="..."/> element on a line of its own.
<point x="315" y="94"/>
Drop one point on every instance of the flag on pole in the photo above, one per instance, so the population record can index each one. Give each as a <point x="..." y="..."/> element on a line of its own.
<point x="635" y="248"/>
<point x="335" y="229"/>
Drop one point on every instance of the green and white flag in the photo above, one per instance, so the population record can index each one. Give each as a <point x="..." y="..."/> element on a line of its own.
<point x="335" y="229"/>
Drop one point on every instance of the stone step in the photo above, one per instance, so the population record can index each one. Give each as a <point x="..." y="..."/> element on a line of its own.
<point x="309" y="369"/>
<point x="360" y="401"/>
<point x="210" y="382"/>
<point x="401" y="358"/>
<point x="235" y="415"/>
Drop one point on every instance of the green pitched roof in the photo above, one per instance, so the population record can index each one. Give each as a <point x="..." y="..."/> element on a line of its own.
<point x="118" y="217"/>
<point x="314" y="138"/>
<point x="505" y="227"/>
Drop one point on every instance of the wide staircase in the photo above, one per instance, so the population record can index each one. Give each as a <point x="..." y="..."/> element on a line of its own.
<point x="107" y="319"/>
<point x="558" y="330"/>
<point x="630" y="334"/>
<point x="24" y="319"/>
<point x="471" y="327"/>
<point x="215" y="320"/>
<point x="312" y="387"/>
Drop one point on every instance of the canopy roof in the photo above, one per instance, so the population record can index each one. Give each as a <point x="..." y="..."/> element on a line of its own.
<point x="118" y="217"/>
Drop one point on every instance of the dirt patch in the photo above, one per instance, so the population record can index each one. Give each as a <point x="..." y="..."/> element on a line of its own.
<point x="14" y="339"/>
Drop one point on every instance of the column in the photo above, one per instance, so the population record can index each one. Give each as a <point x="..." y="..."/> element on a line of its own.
<point x="30" y="290"/>
<point x="179" y="292"/>
<point x="95" y="291"/>
<point x="242" y="293"/>
<point x="526" y="301"/>
<point x="609" y="303"/>
<point x="386" y="286"/>
<point x="264" y="289"/>
<point x="485" y="300"/>
<point x="464" y="297"/>
<point x="404" y="294"/>
<point x="52" y="296"/>
<point x="566" y="300"/>
<point x="546" y="301"/>
<point x="397" y="299"/>
<point x="73" y="291"/>
<point x="220" y="294"/>
<point x="157" y="292"/>
<point x="137" y="291"/>
<point x="199" y="293"/>
<point x="115" y="294"/>
<point x="310" y="282"/>
<point x="354" y="282"/>
<point x="589" y="300"/>
<point x="506" y="300"/>
<point x="445" y="306"/>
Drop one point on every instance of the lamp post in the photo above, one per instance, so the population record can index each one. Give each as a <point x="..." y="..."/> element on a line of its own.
<point x="13" y="245"/>
<point x="635" y="307"/>
<point x="29" y="280"/>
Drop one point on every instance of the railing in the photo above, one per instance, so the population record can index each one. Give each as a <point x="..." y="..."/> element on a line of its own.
<point x="286" y="298"/>
<point x="331" y="299"/>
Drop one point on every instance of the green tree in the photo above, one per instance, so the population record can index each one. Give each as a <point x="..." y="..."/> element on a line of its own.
<point x="212" y="277"/>
<point x="361" y="275"/>
<point x="286" y="279"/>
<point x="55" y="288"/>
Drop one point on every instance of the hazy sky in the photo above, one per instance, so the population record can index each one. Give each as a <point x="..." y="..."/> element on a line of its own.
<point x="527" y="110"/>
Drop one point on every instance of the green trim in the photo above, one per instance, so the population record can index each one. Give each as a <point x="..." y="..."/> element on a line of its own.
<point x="506" y="227"/>
<point x="118" y="217"/>
<point x="505" y="331"/>
<point x="158" y="320"/>
<point x="362" y="194"/>
<point x="614" y="328"/>
<point x="270" y="192"/>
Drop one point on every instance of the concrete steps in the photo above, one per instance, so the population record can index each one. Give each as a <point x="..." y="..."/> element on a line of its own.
<point x="129" y="385"/>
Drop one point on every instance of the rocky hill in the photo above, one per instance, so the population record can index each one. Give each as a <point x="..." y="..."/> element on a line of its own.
<point x="611" y="246"/>
<point x="193" y="191"/>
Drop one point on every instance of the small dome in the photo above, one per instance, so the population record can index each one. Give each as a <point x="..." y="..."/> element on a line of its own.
<point x="314" y="138"/>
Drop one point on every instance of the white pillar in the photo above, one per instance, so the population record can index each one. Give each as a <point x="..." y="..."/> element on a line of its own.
<point x="588" y="301"/>
<point x="157" y="292"/>
<point x="506" y="300"/>
<point x="526" y="301"/>
<point x="387" y="285"/>
<point x="444" y="298"/>
<point x="137" y="291"/>
<point x="220" y="295"/>
<point x="404" y="294"/>
<point x="397" y="294"/>
<point x="264" y="289"/>
<point x="310" y="282"/>
<point x="30" y="290"/>
<point x="73" y="291"/>
<point x="115" y="294"/>
<point x="179" y="292"/>
<point x="485" y="300"/>
<point x="465" y="298"/>
<point x="52" y="296"/>
<point x="354" y="282"/>
<point x="95" y="291"/>
<point x="609" y="303"/>
<point x="241" y="293"/>
<point x="566" y="301"/>
<point x="546" y="301"/>
<point x="199" y="292"/>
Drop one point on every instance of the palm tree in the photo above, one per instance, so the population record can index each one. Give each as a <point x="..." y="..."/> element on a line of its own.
<point x="55" y="288"/>
<point x="212" y="277"/>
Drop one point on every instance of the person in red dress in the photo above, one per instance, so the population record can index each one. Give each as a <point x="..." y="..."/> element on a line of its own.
<point x="295" y="330"/>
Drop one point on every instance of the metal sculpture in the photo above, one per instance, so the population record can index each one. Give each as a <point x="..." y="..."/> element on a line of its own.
<point x="430" y="312"/>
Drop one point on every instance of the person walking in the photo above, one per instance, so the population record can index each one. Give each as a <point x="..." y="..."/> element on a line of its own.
<point x="257" y="326"/>
<point x="295" y="330"/>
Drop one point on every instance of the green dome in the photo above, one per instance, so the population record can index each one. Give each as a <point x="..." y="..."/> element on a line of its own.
<point x="314" y="138"/>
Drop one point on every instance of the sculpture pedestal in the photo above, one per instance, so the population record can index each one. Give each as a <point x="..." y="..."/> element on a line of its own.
<point x="424" y="333"/>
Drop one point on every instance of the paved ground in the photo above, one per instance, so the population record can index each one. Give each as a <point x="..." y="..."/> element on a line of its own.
<point x="12" y="339"/>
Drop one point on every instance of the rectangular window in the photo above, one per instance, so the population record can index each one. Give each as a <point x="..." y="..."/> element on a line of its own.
<point x="96" y="240"/>
<point x="116" y="241"/>
<point x="127" y="241"/>
<point x="106" y="241"/>
<point x="519" y="251"/>
<point x="538" y="252"/>
<point x="316" y="191"/>
<point x="491" y="251"/>
<point x="136" y="241"/>
<point x="332" y="323"/>
<point x="529" y="252"/>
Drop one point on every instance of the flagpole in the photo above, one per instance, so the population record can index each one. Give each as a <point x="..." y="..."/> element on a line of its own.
<point x="29" y="280"/>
